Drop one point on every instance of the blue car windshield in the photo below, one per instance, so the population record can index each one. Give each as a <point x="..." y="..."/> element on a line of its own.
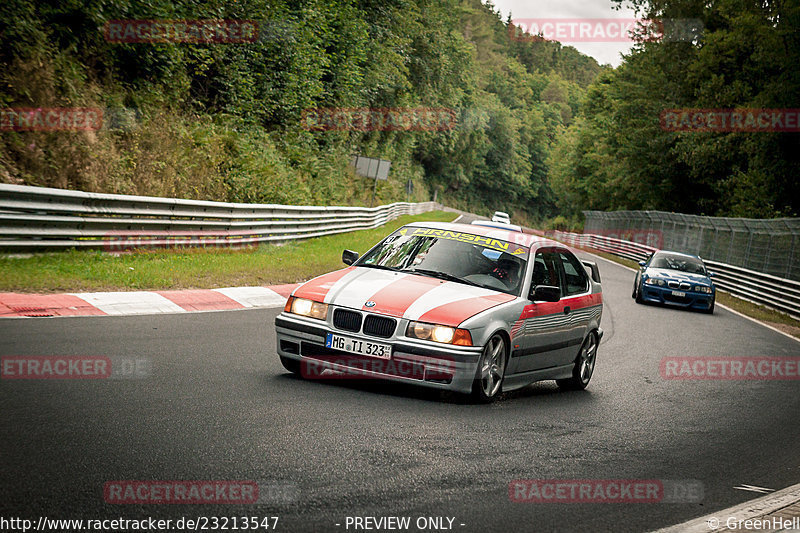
<point x="678" y="262"/>
<point x="452" y="256"/>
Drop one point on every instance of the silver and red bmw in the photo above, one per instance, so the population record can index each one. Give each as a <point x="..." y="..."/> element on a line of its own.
<point x="460" y="307"/>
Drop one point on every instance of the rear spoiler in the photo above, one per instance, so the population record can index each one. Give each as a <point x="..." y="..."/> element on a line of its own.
<point x="591" y="267"/>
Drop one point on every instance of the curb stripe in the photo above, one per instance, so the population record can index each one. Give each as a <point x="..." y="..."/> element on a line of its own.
<point x="21" y="305"/>
<point x="130" y="303"/>
<point x="201" y="300"/>
<point x="253" y="296"/>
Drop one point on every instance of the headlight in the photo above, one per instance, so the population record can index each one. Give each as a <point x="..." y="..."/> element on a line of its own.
<point x="304" y="307"/>
<point x="655" y="281"/>
<point x="438" y="333"/>
<point x="703" y="288"/>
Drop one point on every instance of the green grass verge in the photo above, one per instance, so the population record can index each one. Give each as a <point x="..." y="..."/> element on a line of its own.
<point x="774" y="318"/>
<point x="74" y="271"/>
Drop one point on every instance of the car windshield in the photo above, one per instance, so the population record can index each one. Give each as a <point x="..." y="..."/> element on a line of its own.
<point x="678" y="262"/>
<point x="454" y="256"/>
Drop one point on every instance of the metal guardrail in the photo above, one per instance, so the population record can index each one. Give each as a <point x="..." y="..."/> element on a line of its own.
<point x="38" y="218"/>
<point x="761" y="245"/>
<point x="772" y="291"/>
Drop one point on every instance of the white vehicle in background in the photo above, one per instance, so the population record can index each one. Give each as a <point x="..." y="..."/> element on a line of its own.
<point x="497" y="225"/>
<point x="499" y="216"/>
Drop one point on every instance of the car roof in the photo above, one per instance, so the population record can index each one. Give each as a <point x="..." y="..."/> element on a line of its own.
<point x="502" y="213"/>
<point x="523" y="239"/>
<point x="498" y="225"/>
<point x="678" y="253"/>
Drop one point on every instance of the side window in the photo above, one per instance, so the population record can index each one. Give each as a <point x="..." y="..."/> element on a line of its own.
<point x="545" y="271"/>
<point x="575" y="277"/>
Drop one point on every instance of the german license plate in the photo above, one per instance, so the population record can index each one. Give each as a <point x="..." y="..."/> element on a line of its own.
<point x="359" y="346"/>
<point x="679" y="294"/>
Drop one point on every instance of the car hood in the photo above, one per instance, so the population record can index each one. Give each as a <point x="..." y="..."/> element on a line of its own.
<point x="402" y="295"/>
<point x="665" y="273"/>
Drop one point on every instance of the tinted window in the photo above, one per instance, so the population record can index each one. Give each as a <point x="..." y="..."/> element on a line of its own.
<point x="574" y="274"/>
<point x="472" y="259"/>
<point x="677" y="262"/>
<point x="545" y="271"/>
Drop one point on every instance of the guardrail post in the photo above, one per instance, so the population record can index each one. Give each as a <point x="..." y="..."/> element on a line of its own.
<point x="766" y="256"/>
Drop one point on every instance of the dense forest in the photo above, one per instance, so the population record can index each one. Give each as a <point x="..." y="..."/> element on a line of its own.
<point x="538" y="129"/>
<point x="226" y="121"/>
<point x="616" y="155"/>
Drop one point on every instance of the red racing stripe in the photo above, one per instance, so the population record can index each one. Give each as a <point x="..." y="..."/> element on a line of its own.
<point x="395" y="299"/>
<point x="551" y="308"/>
<point x="317" y="288"/>
<point x="455" y="313"/>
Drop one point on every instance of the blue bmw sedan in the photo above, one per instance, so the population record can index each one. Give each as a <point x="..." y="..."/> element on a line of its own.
<point x="675" y="279"/>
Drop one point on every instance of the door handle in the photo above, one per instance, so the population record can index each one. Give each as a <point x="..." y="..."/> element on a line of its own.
<point x="566" y="310"/>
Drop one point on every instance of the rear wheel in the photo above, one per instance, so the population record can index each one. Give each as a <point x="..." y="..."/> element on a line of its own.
<point x="491" y="370"/>
<point x="584" y="366"/>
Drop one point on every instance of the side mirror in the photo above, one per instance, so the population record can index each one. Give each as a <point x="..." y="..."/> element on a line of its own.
<point x="711" y="274"/>
<point x="593" y="270"/>
<point x="349" y="257"/>
<point x="545" y="293"/>
<point x="642" y="263"/>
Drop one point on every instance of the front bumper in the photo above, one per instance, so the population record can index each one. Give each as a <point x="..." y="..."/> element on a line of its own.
<point x="665" y="295"/>
<point x="417" y="362"/>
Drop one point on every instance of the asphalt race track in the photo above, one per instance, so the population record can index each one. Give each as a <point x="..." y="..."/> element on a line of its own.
<point x="217" y="405"/>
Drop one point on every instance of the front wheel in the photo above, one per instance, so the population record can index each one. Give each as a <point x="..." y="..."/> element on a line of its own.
<point x="584" y="366"/>
<point x="491" y="370"/>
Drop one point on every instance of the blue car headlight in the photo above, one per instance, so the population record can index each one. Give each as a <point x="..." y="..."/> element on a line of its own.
<point x="655" y="281"/>
<point x="703" y="288"/>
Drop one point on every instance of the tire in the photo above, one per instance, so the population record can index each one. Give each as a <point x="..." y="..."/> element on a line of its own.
<point x="491" y="370"/>
<point x="710" y="310"/>
<point x="638" y="294"/>
<point x="584" y="366"/>
<point x="292" y="365"/>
